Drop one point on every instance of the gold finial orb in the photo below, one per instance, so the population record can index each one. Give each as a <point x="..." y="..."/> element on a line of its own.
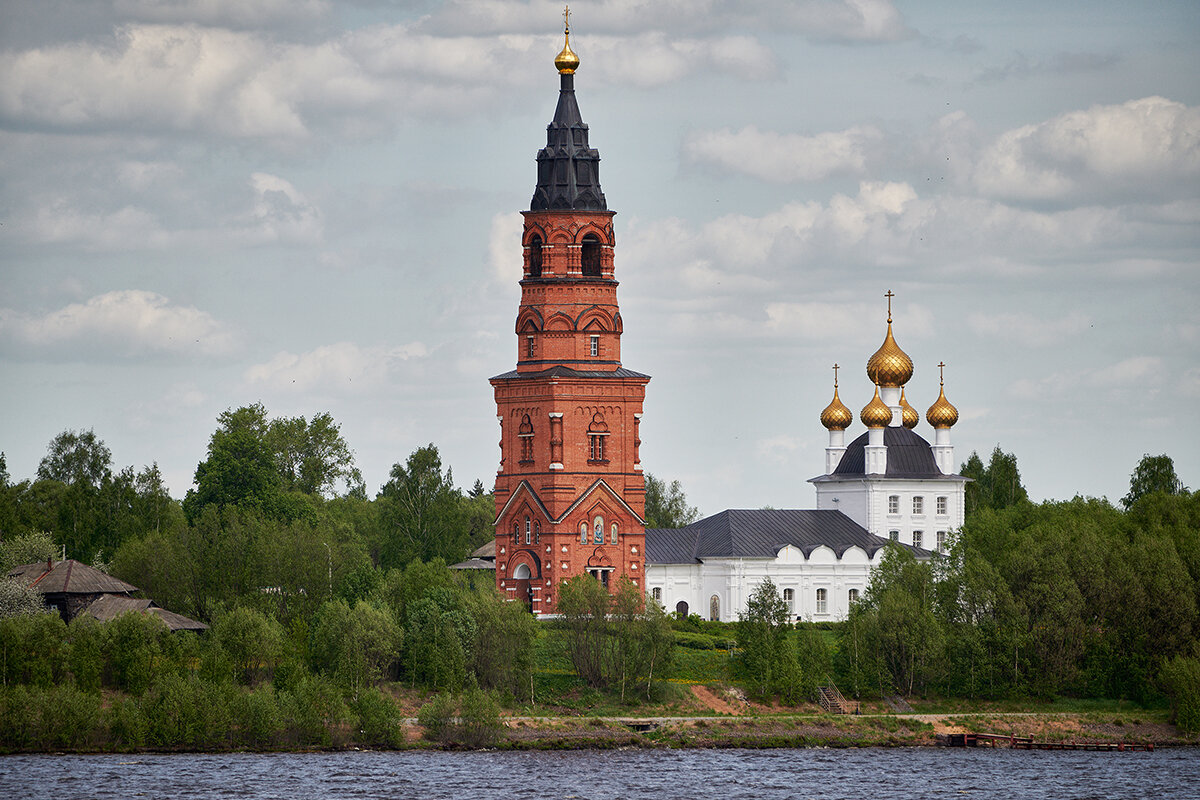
<point x="941" y="414"/>
<point x="836" y="417"/>
<point x="890" y="366"/>
<point x="909" y="415"/>
<point x="875" y="414"/>
<point x="566" y="61"/>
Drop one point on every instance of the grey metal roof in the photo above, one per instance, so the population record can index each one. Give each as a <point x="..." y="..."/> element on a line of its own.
<point x="566" y="372"/>
<point x="486" y="550"/>
<point x="475" y="563"/>
<point x="68" y="577"/>
<point x="908" y="456"/>
<point x="759" y="533"/>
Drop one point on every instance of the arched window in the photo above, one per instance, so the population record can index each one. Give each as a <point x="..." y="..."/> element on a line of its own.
<point x="656" y="593"/>
<point x="941" y="541"/>
<point x="614" y="534"/>
<point x="918" y="538"/>
<point x="583" y="532"/>
<point x="597" y="433"/>
<point x="528" y="531"/>
<point x="598" y="531"/>
<point x="535" y="257"/>
<point x="714" y="608"/>
<point x="894" y="535"/>
<point x="522" y="573"/>
<point x="590" y="256"/>
<point x="537" y="532"/>
<point x="516" y="535"/>
<point x="822" y="601"/>
<point x="853" y="596"/>
<point x="789" y="600"/>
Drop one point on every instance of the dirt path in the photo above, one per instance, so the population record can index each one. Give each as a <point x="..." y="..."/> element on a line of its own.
<point x="711" y="701"/>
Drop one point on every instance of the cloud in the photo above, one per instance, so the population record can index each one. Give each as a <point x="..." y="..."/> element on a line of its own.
<point x="784" y="158"/>
<point x="122" y="324"/>
<point x="340" y="367"/>
<point x="224" y="13"/>
<point x="848" y="21"/>
<point x="1142" y="149"/>
<point x="281" y="213"/>
<point x="1025" y="329"/>
<point x="504" y="247"/>
<point x="1023" y="66"/>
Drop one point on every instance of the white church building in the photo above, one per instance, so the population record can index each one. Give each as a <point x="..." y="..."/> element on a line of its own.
<point x="887" y="484"/>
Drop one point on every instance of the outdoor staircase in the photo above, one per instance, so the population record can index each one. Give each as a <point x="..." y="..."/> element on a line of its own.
<point x="833" y="702"/>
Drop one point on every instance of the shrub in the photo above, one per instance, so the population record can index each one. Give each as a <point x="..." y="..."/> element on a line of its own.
<point x="379" y="720"/>
<point x="437" y="717"/>
<point x="472" y="720"/>
<point x="256" y="717"/>
<point x="127" y="727"/>
<point x="1181" y="678"/>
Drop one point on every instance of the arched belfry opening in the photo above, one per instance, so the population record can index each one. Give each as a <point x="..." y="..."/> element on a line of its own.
<point x="589" y="256"/>
<point x="535" y="257"/>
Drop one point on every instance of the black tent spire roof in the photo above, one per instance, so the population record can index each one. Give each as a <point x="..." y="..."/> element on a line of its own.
<point x="568" y="170"/>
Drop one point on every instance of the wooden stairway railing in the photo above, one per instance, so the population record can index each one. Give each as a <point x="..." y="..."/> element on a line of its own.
<point x="833" y="702"/>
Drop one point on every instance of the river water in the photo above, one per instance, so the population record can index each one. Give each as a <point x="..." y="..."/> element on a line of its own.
<point x="877" y="774"/>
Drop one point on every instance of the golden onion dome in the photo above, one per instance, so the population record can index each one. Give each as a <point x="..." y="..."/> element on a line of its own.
<point x="909" y="415"/>
<point x="876" y="414"/>
<point x="836" y="417"/>
<point x="890" y="366"/>
<point x="566" y="61"/>
<point x="941" y="414"/>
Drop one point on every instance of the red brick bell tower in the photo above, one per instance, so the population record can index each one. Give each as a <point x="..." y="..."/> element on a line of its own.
<point x="570" y="494"/>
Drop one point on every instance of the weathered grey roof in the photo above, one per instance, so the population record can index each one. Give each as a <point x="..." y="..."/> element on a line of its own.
<point x="68" y="577"/>
<point x="486" y="550"/>
<point x="759" y="533"/>
<point x="111" y="606"/>
<point x="475" y="563"/>
<point x="560" y="371"/>
<point x="908" y="456"/>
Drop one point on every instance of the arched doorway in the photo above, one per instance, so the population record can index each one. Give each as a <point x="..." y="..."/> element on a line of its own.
<point x="521" y="577"/>
<point x="714" y="608"/>
<point x="681" y="608"/>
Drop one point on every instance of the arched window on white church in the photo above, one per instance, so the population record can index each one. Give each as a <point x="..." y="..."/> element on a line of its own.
<point x="853" y="596"/>
<point x="714" y="608"/>
<point x="822" y="601"/>
<point x="918" y="538"/>
<point x="789" y="600"/>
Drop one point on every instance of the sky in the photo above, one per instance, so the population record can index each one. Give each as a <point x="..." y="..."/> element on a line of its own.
<point x="316" y="205"/>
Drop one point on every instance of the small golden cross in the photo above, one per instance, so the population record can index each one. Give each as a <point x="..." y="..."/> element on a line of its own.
<point x="889" y="296"/>
<point x="835" y="369"/>
<point x="941" y="373"/>
<point x="566" y="19"/>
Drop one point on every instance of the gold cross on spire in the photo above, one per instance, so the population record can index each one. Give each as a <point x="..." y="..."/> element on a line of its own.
<point x="889" y="296"/>
<point x="941" y="373"/>
<point x="835" y="369"/>
<point x="566" y="19"/>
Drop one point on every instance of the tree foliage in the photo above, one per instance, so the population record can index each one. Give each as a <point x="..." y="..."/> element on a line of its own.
<point x="996" y="486"/>
<point x="1153" y="474"/>
<point x="667" y="505"/>
<point x="422" y="512"/>
<point x="764" y="651"/>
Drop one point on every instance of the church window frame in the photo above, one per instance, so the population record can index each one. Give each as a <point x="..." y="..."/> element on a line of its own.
<point x="714" y="608"/>
<point x="822" y="601"/>
<point x="597" y="432"/>
<point x="614" y="534"/>
<point x="598" y="530"/>
<point x="594" y="346"/>
<point x="530" y="347"/>
<point x="583" y="532"/>
<point x="789" y="600"/>
<point x="918" y="505"/>
<point x="656" y="594"/>
<point x="528" y="532"/>
<point x="894" y="536"/>
<point x="941" y="541"/>
<point x="852" y="596"/>
<point x="894" y="504"/>
<point x="943" y="505"/>
<point x="918" y="538"/>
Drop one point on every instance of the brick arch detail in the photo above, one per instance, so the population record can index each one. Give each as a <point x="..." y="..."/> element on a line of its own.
<point x="560" y="322"/>
<point x="532" y="230"/>
<point x="593" y="313"/>
<point x="527" y="558"/>
<point x="602" y="232"/>
<point x="530" y="319"/>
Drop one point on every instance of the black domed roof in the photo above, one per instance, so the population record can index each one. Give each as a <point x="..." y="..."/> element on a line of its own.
<point x="908" y="456"/>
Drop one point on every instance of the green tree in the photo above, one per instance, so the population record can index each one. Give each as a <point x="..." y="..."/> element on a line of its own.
<point x="17" y="599"/>
<point x="26" y="549"/>
<point x="76" y="457"/>
<point x="996" y="486"/>
<point x="252" y="641"/>
<point x="667" y="505"/>
<point x="356" y="646"/>
<point x="312" y="457"/>
<point x="764" y="652"/>
<point x="1153" y="474"/>
<point x="421" y="512"/>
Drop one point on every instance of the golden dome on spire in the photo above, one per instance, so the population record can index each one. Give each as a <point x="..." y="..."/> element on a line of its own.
<point x="836" y="417"/>
<point x="941" y="414"/>
<point x="909" y="415"/>
<point x="566" y="61"/>
<point x="875" y="414"/>
<point x="890" y="366"/>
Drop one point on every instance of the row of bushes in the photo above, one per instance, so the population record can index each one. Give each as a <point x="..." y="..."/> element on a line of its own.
<point x="188" y="713"/>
